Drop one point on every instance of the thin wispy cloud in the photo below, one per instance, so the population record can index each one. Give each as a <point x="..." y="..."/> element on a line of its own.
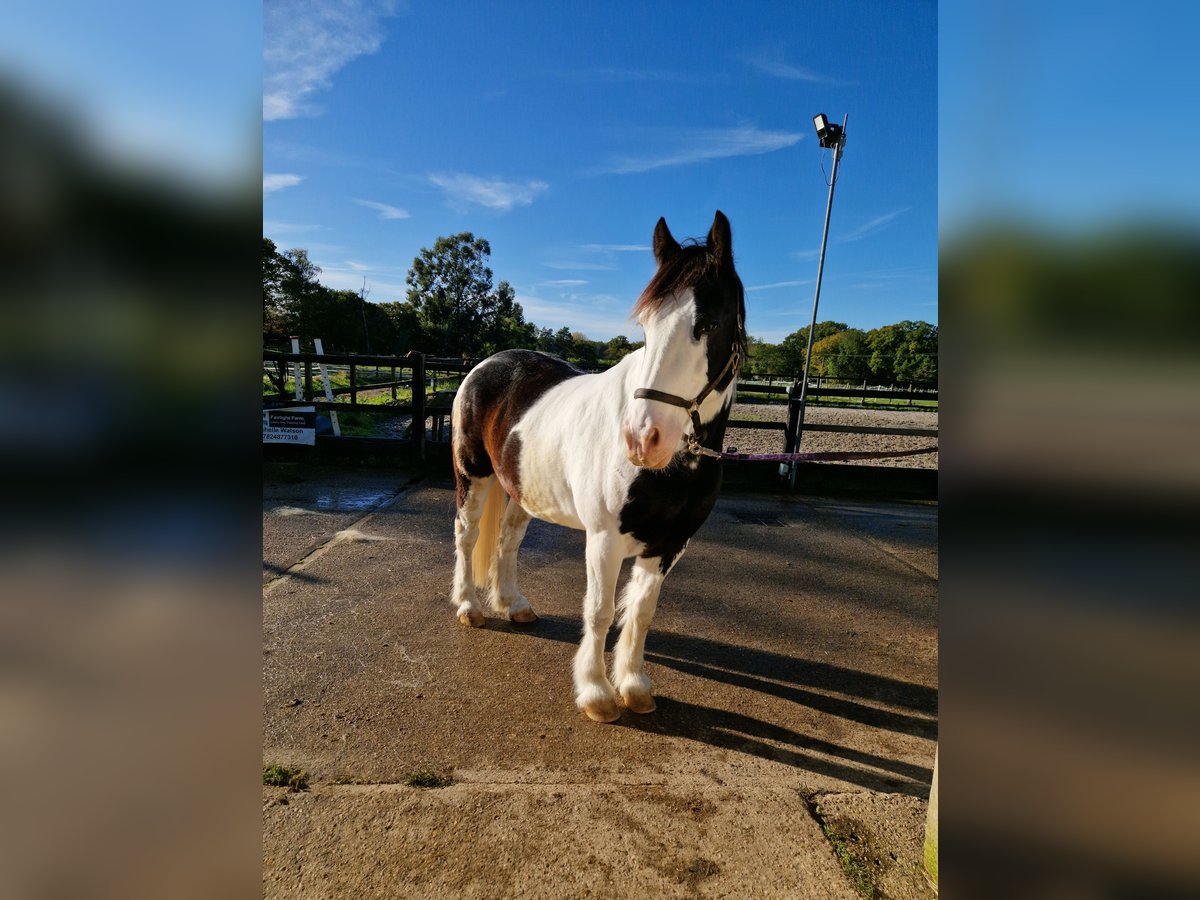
<point x="805" y="254"/>
<point x="779" y="69"/>
<point x="577" y="266"/>
<point x="386" y="211"/>
<point x="778" y="284"/>
<point x="698" y="145"/>
<point x="491" y="193"/>
<point x="564" y="282"/>
<point x="280" y="180"/>
<point x="615" y="248"/>
<point x="873" y="225"/>
<point x="305" y="43"/>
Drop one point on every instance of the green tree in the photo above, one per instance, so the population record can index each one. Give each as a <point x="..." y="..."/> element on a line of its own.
<point x="402" y="331"/>
<point x="584" y="352"/>
<point x="301" y="294"/>
<point x="450" y="287"/>
<point x="762" y="358"/>
<point x="617" y="348"/>
<point x="563" y="342"/>
<point x="789" y="356"/>
<point x="844" y="355"/>
<point x="904" y="353"/>
<point x="506" y="327"/>
<point x="274" y="306"/>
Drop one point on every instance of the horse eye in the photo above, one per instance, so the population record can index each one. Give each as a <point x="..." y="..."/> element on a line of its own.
<point x="706" y="328"/>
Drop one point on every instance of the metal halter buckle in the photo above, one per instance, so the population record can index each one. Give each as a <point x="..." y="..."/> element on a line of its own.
<point x="696" y="448"/>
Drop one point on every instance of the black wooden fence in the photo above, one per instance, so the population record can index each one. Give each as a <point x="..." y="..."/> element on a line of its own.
<point x="429" y="405"/>
<point x="414" y="370"/>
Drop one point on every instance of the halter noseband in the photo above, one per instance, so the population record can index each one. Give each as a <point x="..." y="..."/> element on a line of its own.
<point x="693" y="406"/>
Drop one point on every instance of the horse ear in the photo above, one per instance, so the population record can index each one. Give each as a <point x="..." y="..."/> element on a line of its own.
<point x="720" y="240"/>
<point x="665" y="246"/>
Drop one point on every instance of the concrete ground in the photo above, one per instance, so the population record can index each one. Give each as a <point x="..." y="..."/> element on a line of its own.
<point x="794" y="661"/>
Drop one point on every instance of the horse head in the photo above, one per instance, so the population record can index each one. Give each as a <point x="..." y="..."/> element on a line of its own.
<point x="692" y="312"/>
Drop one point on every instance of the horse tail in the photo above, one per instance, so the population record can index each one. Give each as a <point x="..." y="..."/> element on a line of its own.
<point x="489" y="534"/>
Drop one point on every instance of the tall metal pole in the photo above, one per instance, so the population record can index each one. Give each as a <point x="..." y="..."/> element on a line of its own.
<point x="812" y="328"/>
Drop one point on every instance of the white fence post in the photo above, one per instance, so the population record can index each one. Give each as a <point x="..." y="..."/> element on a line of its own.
<point x="337" y="431"/>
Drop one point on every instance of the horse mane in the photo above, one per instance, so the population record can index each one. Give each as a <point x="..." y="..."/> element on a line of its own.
<point x="686" y="268"/>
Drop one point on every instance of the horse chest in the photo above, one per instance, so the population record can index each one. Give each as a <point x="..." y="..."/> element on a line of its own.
<point x="562" y="464"/>
<point x="664" y="510"/>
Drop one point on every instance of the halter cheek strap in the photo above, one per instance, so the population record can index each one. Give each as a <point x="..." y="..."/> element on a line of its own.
<point x="693" y="406"/>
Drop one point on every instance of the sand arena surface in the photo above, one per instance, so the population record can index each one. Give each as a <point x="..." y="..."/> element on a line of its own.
<point x="763" y="441"/>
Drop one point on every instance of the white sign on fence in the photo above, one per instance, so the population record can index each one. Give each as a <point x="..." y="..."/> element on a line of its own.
<point x="292" y="425"/>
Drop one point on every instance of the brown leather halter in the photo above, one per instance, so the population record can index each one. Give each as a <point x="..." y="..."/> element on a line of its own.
<point x="693" y="406"/>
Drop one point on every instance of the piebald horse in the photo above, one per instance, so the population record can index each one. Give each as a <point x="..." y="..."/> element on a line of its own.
<point x="628" y="455"/>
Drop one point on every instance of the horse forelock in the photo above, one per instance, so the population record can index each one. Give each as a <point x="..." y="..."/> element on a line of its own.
<point x="684" y="270"/>
<point x="687" y="269"/>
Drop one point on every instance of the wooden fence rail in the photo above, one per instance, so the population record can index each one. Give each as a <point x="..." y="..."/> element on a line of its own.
<point x="426" y="404"/>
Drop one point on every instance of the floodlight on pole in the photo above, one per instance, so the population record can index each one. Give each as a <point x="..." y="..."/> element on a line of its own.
<point x="831" y="136"/>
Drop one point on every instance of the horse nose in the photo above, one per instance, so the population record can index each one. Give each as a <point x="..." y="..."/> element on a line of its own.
<point x="644" y="446"/>
<point x="651" y="441"/>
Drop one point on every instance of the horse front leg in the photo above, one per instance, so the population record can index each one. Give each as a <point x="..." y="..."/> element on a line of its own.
<point x="638" y="603"/>
<point x="593" y="692"/>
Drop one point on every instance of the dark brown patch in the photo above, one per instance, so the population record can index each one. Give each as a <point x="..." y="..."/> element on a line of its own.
<point x="492" y="402"/>
<point x="462" y="485"/>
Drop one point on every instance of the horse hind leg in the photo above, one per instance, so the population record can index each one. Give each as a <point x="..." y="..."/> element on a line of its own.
<point x="506" y="597"/>
<point x="473" y="496"/>
<point x="638" y="603"/>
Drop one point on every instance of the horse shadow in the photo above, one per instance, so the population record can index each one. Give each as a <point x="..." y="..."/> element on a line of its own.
<point x="794" y="679"/>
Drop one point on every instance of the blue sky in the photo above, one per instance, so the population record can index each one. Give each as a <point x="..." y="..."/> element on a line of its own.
<point x="561" y="132"/>
<point x="1073" y="115"/>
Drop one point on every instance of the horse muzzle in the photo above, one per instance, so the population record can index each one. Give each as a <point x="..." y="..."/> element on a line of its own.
<point x="647" y="448"/>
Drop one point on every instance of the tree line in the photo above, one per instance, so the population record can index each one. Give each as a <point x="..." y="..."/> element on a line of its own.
<point x="903" y="353"/>
<point x="453" y="309"/>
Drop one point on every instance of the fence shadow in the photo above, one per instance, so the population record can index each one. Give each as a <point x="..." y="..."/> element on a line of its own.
<point x="746" y="734"/>
<point x="789" y="678"/>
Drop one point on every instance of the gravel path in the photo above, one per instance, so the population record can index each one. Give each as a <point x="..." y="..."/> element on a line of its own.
<point x="761" y="441"/>
<point x="748" y="440"/>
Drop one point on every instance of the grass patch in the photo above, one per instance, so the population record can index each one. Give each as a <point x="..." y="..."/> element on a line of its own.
<point x="427" y="778"/>
<point x="856" y="870"/>
<point x="356" y="424"/>
<point x="285" y="776"/>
